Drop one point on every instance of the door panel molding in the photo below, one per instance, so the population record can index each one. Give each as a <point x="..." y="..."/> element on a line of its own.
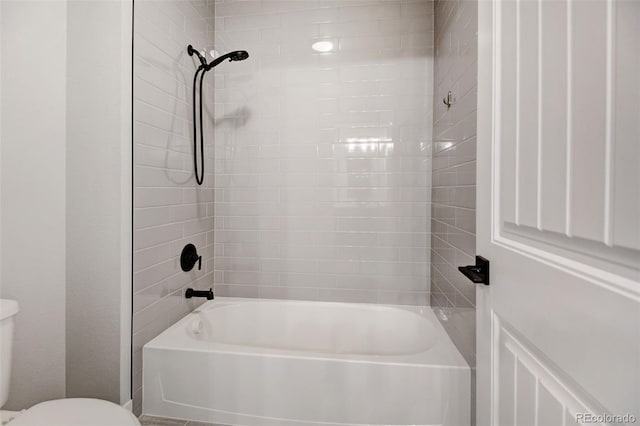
<point x="619" y="261"/>
<point x="558" y="210"/>
<point x="528" y="388"/>
<point x="525" y="174"/>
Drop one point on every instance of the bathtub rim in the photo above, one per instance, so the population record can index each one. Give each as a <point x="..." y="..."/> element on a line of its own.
<point x="443" y="354"/>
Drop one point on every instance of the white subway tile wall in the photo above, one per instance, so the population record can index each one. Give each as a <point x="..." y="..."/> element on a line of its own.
<point x="323" y="159"/>
<point x="170" y="209"/>
<point x="453" y="232"/>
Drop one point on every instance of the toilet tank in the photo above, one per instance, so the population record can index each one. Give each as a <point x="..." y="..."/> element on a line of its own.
<point x="8" y="311"/>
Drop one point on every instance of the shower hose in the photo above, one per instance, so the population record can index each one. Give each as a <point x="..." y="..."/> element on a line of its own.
<point x="199" y="176"/>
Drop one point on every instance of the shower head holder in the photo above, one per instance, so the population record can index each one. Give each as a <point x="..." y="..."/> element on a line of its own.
<point x="191" y="51"/>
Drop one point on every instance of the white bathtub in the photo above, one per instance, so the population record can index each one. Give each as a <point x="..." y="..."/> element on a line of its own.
<point x="269" y="362"/>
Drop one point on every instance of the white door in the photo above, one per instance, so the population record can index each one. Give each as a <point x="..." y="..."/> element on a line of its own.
<point x="558" y="212"/>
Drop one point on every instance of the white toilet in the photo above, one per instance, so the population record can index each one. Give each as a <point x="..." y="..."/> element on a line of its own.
<point x="60" y="412"/>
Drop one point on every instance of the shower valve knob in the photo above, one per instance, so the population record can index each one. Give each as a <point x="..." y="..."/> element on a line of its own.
<point x="189" y="257"/>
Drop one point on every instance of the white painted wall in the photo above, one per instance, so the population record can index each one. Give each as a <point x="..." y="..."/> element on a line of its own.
<point x="33" y="49"/>
<point x="98" y="185"/>
<point x="66" y="197"/>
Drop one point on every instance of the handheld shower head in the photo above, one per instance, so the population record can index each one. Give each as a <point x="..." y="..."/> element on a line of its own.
<point x="238" y="55"/>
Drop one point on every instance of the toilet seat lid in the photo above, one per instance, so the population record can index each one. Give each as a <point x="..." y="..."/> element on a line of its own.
<point x="76" y="412"/>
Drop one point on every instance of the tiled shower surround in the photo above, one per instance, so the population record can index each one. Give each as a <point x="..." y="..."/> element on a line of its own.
<point x="323" y="161"/>
<point x="453" y="238"/>
<point x="453" y="222"/>
<point x="170" y="209"/>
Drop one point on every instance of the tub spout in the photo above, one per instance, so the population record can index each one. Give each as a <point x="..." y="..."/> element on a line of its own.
<point x="199" y="293"/>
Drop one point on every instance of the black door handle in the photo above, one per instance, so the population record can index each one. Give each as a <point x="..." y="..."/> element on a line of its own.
<point x="478" y="273"/>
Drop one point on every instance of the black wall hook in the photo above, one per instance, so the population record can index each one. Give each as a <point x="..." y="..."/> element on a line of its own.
<point x="189" y="257"/>
<point x="478" y="273"/>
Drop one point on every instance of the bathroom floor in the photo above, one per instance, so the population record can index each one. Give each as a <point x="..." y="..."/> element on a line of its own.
<point x="162" y="421"/>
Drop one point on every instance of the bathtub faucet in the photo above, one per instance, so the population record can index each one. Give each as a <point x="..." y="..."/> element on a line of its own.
<point x="199" y="293"/>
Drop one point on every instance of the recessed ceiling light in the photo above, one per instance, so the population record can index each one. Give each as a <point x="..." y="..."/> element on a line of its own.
<point x="322" y="46"/>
